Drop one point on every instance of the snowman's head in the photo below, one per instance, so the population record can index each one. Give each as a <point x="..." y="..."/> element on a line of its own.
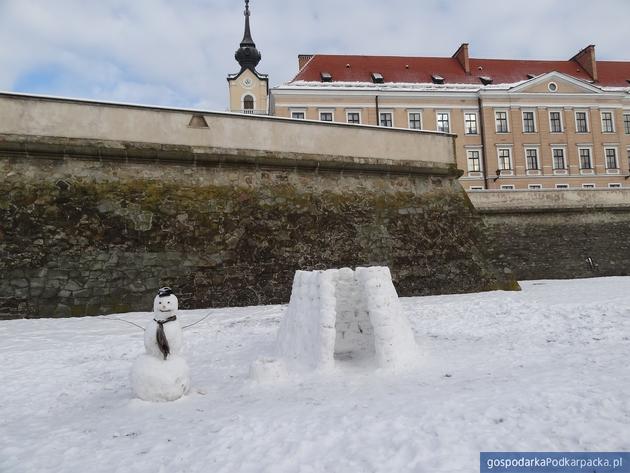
<point x="165" y="304"/>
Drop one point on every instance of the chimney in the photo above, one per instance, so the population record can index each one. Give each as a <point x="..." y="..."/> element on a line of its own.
<point x="302" y="60"/>
<point x="462" y="56"/>
<point x="586" y="59"/>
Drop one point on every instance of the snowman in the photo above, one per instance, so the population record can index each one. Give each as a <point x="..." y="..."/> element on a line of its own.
<point x="161" y="374"/>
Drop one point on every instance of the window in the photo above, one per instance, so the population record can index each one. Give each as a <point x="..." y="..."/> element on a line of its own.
<point x="529" y="125"/>
<point x="386" y="119"/>
<point x="562" y="186"/>
<point x="326" y="116"/>
<point x="354" y="117"/>
<point x="475" y="188"/>
<point x="415" y="120"/>
<point x="377" y="78"/>
<point x="298" y="115"/>
<point x="588" y="186"/>
<point x="474" y="160"/>
<point x="470" y="123"/>
<point x="611" y="158"/>
<point x="607" y="122"/>
<point x="248" y="104"/>
<point x="443" y="122"/>
<point x="505" y="159"/>
<point x="581" y="122"/>
<point x="626" y="123"/>
<point x="534" y="187"/>
<point x="501" y="122"/>
<point x="531" y="156"/>
<point x="585" y="159"/>
<point x="558" y="158"/>
<point x="555" y="122"/>
<point x="507" y="187"/>
<point x="614" y="185"/>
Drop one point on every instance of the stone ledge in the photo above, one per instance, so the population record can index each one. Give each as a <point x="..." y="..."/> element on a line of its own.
<point x="16" y="146"/>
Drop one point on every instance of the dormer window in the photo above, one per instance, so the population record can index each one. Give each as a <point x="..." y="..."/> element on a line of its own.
<point x="485" y="80"/>
<point x="326" y="76"/>
<point x="437" y="79"/>
<point x="531" y="76"/>
<point x="377" y="78"/>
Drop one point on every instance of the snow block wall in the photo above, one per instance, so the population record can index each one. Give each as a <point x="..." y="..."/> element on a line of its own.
<point x="340" y="314"/>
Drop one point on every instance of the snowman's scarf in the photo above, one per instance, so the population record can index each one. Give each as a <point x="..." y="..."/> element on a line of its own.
<point x="161" y="339"/>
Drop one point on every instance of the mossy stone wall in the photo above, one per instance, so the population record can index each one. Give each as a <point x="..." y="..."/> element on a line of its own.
<point x="91" y="236"/>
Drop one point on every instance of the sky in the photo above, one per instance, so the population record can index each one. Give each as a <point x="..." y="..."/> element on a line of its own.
<point x="178" y="53"/>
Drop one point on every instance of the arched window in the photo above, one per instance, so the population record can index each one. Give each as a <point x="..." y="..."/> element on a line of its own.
<point x="248" y="104"/>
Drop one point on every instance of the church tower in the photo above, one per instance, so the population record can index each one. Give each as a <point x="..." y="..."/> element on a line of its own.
<point x="249" y="90"/>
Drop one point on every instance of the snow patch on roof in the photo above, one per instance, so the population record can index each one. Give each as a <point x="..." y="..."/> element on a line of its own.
<point x="419" y="86"/>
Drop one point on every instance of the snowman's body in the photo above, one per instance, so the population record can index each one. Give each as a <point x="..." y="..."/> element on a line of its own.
<point x="161" y="374"/>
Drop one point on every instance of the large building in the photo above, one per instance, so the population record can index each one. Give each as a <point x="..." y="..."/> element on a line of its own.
<point x="520" y="124"/>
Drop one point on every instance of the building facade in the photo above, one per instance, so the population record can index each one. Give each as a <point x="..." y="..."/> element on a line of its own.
<point x="520" y="124"/>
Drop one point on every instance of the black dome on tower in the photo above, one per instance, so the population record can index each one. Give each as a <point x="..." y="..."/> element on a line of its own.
<point x="247" y="55"/>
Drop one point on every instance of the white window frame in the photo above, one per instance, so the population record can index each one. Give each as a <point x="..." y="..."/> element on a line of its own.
<point x="614" y="185"/>
<point x="475" y="150"/>
<point x="612" y="120"/>
<point x="562" y="186"/>
<point x="507" y="120"/>
<point x="534" y="187"/>
<point x="391" y="113"/>
<point x="448" y="117"/>
<point x="326" y="110"/>
<point x="511" y="158"/>
<point x="476" y="114"/>
<point x="588" y="121"/>
<point x="507" y="187"/>
<point x="248" y="94"/>
<point x="625" y="114"/>
<point x="297" y="110"/>
<point x="561" y="121"/>
<point x="588" y="185"/>
<point x="475" y="188"/>
<point x="590" y="150"/>
<point x="354" y="110"/>
<point x="564" y="154"/>
<point x="419" y="112"/>
<point x="616" y="149"/>
<point x="533" y="112"/>
<point x="537" y="149"/>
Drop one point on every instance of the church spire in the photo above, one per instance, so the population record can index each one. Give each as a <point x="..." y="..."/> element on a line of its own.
<point x="247" y="55"/>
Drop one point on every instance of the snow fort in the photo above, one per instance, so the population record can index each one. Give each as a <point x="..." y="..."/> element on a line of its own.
<point x="341" y="314"/>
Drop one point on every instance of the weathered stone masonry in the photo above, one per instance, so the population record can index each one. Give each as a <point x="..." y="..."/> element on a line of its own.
<point x="551" y="234"/>
<point x="84" y="232"/>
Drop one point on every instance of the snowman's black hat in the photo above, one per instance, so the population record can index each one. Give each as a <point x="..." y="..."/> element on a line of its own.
<point x="165" y="291"/>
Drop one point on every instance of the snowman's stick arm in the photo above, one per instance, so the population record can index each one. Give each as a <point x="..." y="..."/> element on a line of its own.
<point x="126" y="321"/>
<point x="200" y="320"/>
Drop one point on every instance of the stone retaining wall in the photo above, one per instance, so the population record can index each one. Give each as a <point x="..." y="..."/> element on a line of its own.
<point x="552" y="234"/>
<point x="85" y="234"/>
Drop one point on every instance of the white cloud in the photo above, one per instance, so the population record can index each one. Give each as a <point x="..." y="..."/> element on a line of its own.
<point x="179" y="53"/>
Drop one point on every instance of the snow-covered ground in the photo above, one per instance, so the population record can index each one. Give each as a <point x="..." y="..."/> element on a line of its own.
<point x="547" y="368"/>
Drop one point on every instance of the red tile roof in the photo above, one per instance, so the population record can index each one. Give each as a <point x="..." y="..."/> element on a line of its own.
<point x="420" y="69"/>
